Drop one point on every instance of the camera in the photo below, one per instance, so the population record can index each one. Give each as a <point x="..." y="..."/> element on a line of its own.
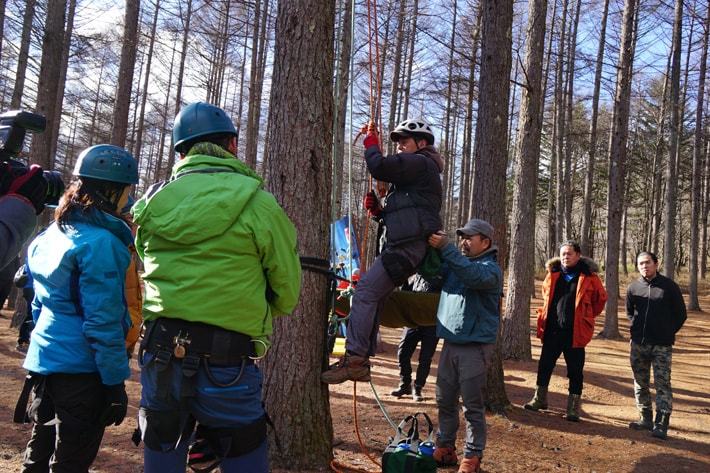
<point x="13" y="127"/>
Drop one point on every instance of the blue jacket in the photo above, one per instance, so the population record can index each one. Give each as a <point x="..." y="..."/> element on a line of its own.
<point x="79" y="308"/>
<point x="469" y="307"/>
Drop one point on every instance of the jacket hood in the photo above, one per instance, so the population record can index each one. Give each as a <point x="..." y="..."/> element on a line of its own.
<point x="102" y="219"/>
<point x="586" y="265"/>
<point x="203" y="198"/>
<point x="430" y="152"/>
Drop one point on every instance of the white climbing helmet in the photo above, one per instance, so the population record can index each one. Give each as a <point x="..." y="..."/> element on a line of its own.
<point x="415" y="128"/>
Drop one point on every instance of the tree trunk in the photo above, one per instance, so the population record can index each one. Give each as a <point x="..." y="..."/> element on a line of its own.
<point x="163" y="129"/>
<point x="699" y="148"/>
<point x="446" y="149"/>
<point x="586" y="233"/>
<point x="54" y="126"/>
<point x="181" y="71"/>
<point x="706" y="208"/>
<point x="146" y="82"/>
<point x="302" y="92"/>
<point x="490" y="152"/>
<point x="2" y="22"/>
<point x="670" y="198"/>
<point x="254" y="89"/>
<point x="560" y="108"/>
<point x="125" y="73"/>
<point x="398" y="46"/>
<point x="515" y="329"/>
<point x="52" y="42"/>
<point x="617" y="164"/>
<point x="410" y="57"/>
<point x="569" y="105"/>
<point x="23" y="55"/>
<point x="467" y="156"/>
<point x="341" y="106"/>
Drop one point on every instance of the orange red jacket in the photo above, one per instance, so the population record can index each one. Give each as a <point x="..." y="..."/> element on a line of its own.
<point x="589" y="301"/>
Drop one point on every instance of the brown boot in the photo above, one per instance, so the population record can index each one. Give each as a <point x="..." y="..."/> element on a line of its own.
<point x="350" y="367"/>
<point x="470" y="465"/>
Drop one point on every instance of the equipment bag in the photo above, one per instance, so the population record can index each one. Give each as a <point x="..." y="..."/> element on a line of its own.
<point x="406" y="453"/>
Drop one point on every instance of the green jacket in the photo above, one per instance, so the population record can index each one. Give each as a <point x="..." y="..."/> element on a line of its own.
<point x="217" y="248"/>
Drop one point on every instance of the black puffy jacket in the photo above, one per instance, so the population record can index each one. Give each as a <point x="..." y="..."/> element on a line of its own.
<point x="413" y="201"/>
<point x="656" y="309"/>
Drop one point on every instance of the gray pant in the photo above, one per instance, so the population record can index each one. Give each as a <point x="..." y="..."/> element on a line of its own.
<point x="462" y="371"/>
<point x="642" y="357"/>
<point x="370" y="296"/>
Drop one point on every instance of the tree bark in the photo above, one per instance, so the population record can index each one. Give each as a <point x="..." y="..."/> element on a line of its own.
<point x="61" y="82"/>
<point x="23" y="55"/>
<point x="342" y="101"/>
<point x="670" y="198"/>
<point x="569" y="105"/>
<point x="125" y="73"/>
<point x="446" y="149"/>
<point x="560" y="108"/>
<point x="252" y="130"/>
<point x="181" y="71"/>
<point x="52" y="42"/>
<point x="586" y="232"/>
<point x="146" y="82"/>
<point x="699" y="148"/>
<point x="617" y="164"/>
<point x="410" y="57"/>
<point x="490" y="151"/>
<point x="398" y="46"/>
<point x="302" y="93"/>
<point x="515" y="329"/>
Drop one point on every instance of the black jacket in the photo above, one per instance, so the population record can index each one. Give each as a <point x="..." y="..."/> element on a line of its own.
<point x="656" y="309"/>
<point x="413" y="203"/>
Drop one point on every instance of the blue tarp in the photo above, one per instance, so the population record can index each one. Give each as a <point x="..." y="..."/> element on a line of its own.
<point x="344" y="238"/>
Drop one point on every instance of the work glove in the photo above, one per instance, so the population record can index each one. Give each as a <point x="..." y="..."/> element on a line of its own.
<point x="115" y="404"/>
<point x="372" y="204"/>
<point x="32" y="186"/>
<point x="370" y="132"/>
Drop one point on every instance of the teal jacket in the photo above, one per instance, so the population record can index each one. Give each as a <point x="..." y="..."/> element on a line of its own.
<point x="79" y="308"/>
<point x="469" y="307"/>
<point x="217" y="248"/>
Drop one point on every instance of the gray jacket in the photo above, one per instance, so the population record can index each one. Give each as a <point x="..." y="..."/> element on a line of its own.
<point x="17" y="222"/>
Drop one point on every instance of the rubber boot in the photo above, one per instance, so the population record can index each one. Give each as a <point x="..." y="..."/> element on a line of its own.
<point x="573" y="403"/>
<point x="660" y="426"/>
<point x="539" y="400"/>
<point x="645" y="421"/>
<point x="350" y="367"/>
<point x="417" y="396"/>
<point x="405" y="387"/>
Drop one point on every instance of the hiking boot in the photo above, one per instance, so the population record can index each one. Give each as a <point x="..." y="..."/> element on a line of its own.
<point x="660" y="426"/>
<point x="22" y="346"/>
<point x="445" y="456"/>
<point x="417" y="396"/>
<point x="539" y="400"/>
<point x="645" y="421"/>
<point x="350" y="367"/>
<point x="402" y="390"/>
<point x="573" y="403"/>
<point x="470" y="465"/>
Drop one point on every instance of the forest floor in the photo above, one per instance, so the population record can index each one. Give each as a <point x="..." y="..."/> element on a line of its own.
<point x="522" y="441"/>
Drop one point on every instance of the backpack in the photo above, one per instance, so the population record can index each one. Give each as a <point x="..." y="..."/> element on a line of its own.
<point x="406" y="453"/>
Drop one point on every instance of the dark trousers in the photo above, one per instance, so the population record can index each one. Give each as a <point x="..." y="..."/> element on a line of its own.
<point x="410" y="338"/>
<point x="27" y="324"/>
<point x="72" y="405"/>
<point x="553" y="345"/>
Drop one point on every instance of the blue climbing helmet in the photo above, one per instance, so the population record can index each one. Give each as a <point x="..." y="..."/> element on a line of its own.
<point x="107" y="163"/>
<point x="200" y="119"/>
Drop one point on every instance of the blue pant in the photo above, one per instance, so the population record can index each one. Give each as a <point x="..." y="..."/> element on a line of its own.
<point x="212" y="406"/>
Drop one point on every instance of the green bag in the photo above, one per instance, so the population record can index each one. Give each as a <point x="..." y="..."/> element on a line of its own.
<point x="430" y="267"/>
<point x="406" y="453"/>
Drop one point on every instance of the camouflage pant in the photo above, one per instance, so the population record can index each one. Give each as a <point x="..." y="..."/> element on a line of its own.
<point x="642" y="357"/>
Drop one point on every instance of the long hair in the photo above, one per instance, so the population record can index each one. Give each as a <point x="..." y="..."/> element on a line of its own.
<point x="86" y="194"/>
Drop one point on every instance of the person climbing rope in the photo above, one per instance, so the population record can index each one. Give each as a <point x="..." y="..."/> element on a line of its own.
<point x="410" y="215"/>
<point x="220" y="262"/>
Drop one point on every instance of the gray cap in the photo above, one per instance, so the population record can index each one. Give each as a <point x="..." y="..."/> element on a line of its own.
<point x="476" y="226"/>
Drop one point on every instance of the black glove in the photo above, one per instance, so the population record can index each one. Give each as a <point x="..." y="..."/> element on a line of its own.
<point x="116" y="404"/>
<point x="33" y="186"/>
